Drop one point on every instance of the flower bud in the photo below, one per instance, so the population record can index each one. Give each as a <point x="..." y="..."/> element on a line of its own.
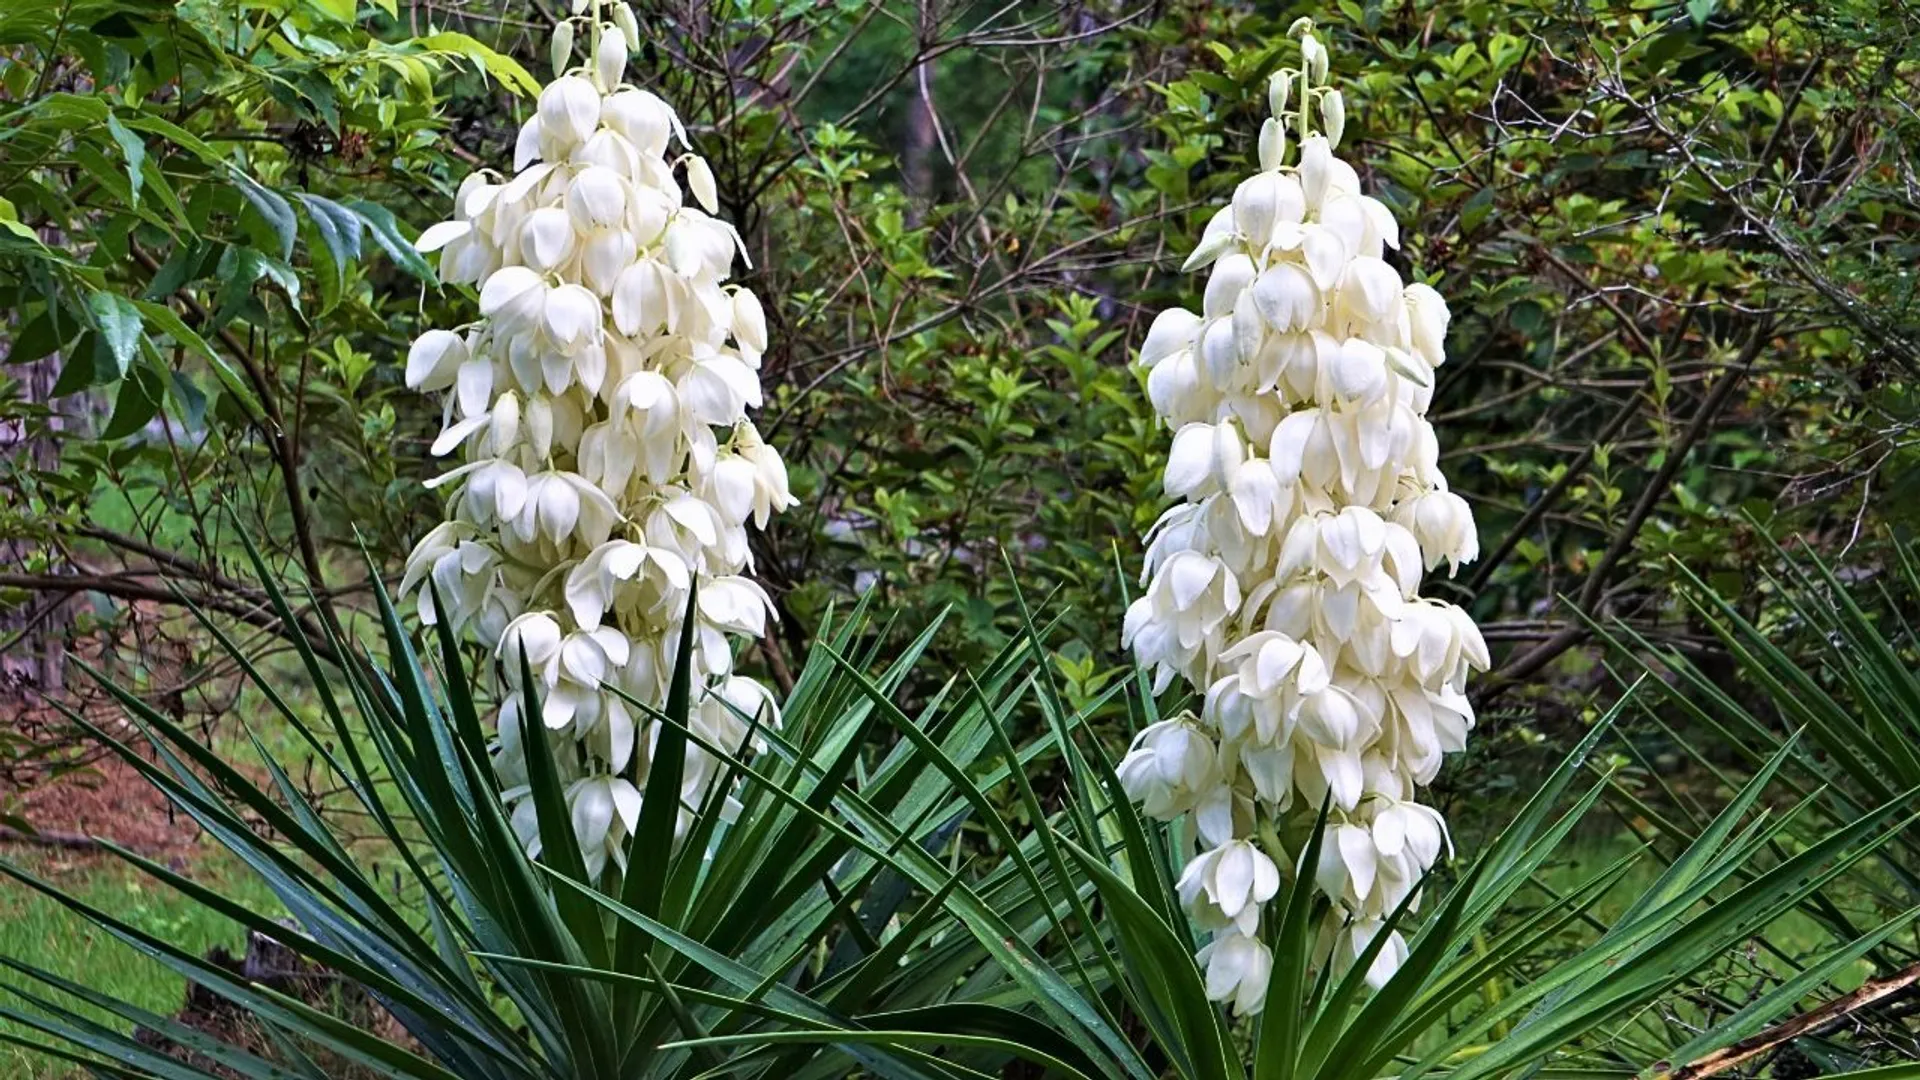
<point x="505" y="426"/>
<point x="1210" y="248"/>
<point x="1273" y="144"/>
<point x="1313" y="57"/>
<point x="560" y="49"/>
<point x="539" y="426"/>
<point x="1316" y="165"/>
<point x="700" y="182"/>
<point x="610" y="57"/>
<point x="629" y="27"/>
<point x="1279" y="85"/>
<point x="749" y="321"/>
<point x="1333" y="114"/>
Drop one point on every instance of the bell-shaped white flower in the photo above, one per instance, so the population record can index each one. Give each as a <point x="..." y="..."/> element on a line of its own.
<point x="434" y="359"/>
<point x="1227" y="884"/>
<point x="513" y="297"/>
<point x="546" y="239"/>
<point x="569" y="111"/>
<point x="1354" y="942"/>
<point x="1238" y="968"/>
<point x="1169" y="767"/>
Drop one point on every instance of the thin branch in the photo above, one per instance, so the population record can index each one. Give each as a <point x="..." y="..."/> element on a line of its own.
<point x="1544" y="653"/>
<point x="1747" y="1049"/>
<point x="133" y="588"/>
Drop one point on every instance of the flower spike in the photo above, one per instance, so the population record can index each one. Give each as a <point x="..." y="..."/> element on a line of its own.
<point x="599" y="411"/>
<point x="1284" y="586"/>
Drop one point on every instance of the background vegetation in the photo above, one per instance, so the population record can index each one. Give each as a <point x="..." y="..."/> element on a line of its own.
<point x="1678" y="239"/>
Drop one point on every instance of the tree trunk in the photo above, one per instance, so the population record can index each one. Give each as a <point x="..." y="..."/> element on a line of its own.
<point x="916" y="155"/>
<point x="34" y="635"/>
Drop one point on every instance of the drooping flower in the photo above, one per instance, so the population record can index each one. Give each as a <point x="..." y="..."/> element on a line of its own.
<point x="1284" y="586"/>
<point x="598" y="408"/>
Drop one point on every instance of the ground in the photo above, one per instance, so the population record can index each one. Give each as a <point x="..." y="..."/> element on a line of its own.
<point x="108" y="800"/>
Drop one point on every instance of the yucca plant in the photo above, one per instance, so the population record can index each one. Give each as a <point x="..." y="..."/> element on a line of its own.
<point x="839" y="897"/>
<point x="1570" y="1009"/>
<point x="1829" y="686"/>
<point x="844" y="923"/>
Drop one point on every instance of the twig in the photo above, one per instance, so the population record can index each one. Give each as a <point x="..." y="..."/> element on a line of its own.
<point x="127" y="588"/>
<point x="286" y="451"/>
<point x="1578" y="468"/>
<point x="1747" y="1049"/>
<point x="68" y="841"/>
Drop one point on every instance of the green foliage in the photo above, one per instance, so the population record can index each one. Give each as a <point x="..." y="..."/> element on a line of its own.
<point x="1677" y="240"/>
<point x="205" y="277"/>
<point x="1668" y="236"/>
<point x="697" y="936"/>
<point x="1673" y="239"/>
<point x="1825" y="681"/>
<point x="39" y="931"/>
<point x="1655" y="227"/>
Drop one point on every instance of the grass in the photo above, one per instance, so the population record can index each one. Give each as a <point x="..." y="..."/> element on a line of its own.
<point x="36" y="930"/>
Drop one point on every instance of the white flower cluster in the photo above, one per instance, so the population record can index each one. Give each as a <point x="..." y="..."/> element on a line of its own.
<point x="600" y="410"/>
<point x="1285" y="585"/>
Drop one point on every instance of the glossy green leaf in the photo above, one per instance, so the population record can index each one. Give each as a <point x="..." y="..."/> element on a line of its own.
<point x="136" y="403"/>
<point x="386" y="232"/>
<point x="135" y="152"/>
<point x="273" y="209"/>
<point x="119" y="323"/>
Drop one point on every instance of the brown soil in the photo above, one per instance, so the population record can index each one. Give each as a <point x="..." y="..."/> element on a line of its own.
<point x="108" y="800"/>
<point x="60" y="787"/>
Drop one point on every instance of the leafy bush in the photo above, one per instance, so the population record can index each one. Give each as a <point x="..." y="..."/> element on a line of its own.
<point x="205" y="269"/>
<point x="1679" y="244"/>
